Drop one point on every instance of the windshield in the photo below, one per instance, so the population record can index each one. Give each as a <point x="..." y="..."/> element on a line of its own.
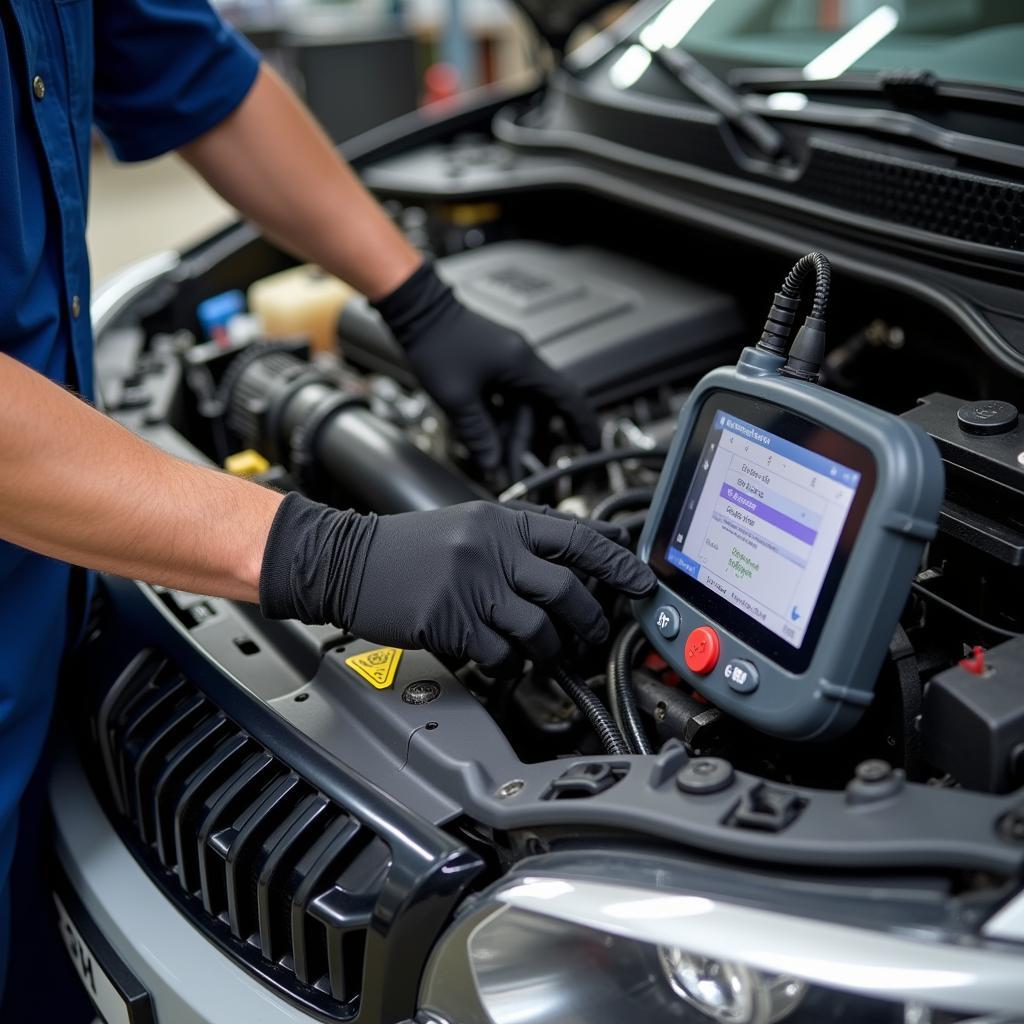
<point x="978" y="41"/>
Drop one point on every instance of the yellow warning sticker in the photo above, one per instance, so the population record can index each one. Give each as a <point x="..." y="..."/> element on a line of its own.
<point x="377" y="667"/>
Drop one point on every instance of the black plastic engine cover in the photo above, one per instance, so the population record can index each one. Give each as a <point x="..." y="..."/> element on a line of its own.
<point x="612" y="324"/>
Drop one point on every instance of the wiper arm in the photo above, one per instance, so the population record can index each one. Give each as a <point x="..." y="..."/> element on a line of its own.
<point x="904" y="88"/>
<point x="902" y="119"/>
<point x="722" y="98"/>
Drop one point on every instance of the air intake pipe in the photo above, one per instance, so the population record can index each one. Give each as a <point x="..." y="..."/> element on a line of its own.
<point x="329" y="440"/>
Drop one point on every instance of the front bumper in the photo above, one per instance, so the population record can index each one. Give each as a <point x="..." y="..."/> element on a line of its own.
<point x="189" y="980"/>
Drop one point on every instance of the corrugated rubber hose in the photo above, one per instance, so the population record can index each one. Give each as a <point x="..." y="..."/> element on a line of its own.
<point x="593" y="710"/>
<point x="620" y="687"/>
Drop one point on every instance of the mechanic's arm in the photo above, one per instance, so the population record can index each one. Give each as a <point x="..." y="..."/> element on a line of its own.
<point x="271" y="161"/>
<point x="473" y="581"/>
<point x="80" y="487"/>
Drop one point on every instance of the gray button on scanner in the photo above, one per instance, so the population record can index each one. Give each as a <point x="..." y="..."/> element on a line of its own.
<point x="666" y="618"/>
<point x="741" y="676"/>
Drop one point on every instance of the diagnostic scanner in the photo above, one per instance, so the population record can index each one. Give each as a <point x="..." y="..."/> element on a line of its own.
<point x="785" y="531"/>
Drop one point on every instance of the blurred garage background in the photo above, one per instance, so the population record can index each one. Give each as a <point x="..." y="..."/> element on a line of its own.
<point x="415" y="52"/>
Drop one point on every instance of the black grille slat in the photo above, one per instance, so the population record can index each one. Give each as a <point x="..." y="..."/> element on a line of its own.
<point x="167" y="692"/>
<point x="279" y="852"/>
<point x="273" y="870"/>
<point x="144" y="759"/>
<point x="345" y="909"/>
<point x="367" y="868"/>
<point x="242" y="850"/>
<point x="241" y="791"/>
<point x="345" y="917"/>
<point x="214" y="773"/>
<point x="167" y="789"/>
<point x="309" y="937"/>
<point x="141" y="670"/>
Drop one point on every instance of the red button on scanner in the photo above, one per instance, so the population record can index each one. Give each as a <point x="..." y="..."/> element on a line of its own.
<point x="701" y="650"/>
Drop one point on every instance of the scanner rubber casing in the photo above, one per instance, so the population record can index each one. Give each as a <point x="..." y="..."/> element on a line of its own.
<point x="830" y="695"/>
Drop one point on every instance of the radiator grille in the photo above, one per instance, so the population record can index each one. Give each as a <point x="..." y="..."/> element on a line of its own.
<point x="270" y="868"/>
<point x="970" y="207"/>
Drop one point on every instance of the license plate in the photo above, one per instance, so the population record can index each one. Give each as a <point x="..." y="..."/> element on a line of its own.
<point x="118" y="996"/>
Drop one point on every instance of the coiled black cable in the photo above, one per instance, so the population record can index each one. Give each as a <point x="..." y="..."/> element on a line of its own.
<point x="817" y="261"/>
<point x="593" y="710"/>
<point x="634" y="497"/>
<point x="620" y="688"/>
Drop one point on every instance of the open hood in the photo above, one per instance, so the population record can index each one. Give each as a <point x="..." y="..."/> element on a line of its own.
<point x="556" y="20"/>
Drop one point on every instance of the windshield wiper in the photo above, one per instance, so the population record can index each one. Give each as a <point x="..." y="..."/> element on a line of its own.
<point x="907" y="119"/>
<point x="911" y="88"/>
<point x="722" y="98"/>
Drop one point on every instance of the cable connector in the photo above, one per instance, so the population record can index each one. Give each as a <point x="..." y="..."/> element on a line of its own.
<point x="807" y="351"/>
<point x="778" y="328"/>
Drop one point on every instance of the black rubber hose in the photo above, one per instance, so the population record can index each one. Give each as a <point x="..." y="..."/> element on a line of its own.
<point x="635" y="497"/>
<point x="634" y="522"/>
<point x="979" y="623"/>
<point x="577" y="465"/>
<point x="817" y="261"/>
<point x="593" y="710"/>
<point x="620" y="687"/>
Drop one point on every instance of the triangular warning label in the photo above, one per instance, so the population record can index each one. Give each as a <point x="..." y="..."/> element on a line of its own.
<point x="377" y="667"/>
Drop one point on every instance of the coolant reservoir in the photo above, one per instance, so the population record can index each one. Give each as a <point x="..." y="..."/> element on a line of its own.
<point x="302" y="301"/>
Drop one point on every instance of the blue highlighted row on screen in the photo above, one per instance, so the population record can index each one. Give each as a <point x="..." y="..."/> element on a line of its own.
<point x="681" y="561"/>
<point x="768" y="514"/>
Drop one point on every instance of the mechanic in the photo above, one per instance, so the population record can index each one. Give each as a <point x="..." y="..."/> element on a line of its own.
<point x="479" y="581"/>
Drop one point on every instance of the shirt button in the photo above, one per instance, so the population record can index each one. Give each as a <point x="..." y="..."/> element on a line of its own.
<point x="39" y="87"/>
<point x="76" y="306"/>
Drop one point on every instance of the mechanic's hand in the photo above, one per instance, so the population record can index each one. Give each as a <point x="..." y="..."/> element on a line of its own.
<point x="472" y="581"/>
<point x="613" y="531"/>
<point x="462" y="358"/>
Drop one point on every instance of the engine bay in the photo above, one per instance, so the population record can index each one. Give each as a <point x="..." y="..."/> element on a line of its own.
<point x="638" y="319"/>
<point x="415" y="782"/>
<point x="637" y="338"/>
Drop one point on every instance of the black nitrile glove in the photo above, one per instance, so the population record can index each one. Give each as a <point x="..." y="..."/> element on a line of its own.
<point x="462" y="359"/>
<point x="474" y="581"/>
<point x="613" y="531"/>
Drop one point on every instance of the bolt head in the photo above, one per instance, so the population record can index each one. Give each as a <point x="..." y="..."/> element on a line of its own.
<point x="510" y="789"/>
<point x="873" y="770"/>
<point x="705" y="775"/>
<point x="421" y="692"/>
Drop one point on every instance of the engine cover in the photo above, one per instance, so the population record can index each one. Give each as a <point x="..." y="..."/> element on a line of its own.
<point x="612" y="324"/>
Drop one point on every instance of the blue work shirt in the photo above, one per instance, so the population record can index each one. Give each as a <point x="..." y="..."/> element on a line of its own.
<point x="152" y="75"/>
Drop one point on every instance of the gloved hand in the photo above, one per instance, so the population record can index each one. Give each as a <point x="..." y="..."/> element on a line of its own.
<point x="475" y="581"/>
<point x="461" y="359"/>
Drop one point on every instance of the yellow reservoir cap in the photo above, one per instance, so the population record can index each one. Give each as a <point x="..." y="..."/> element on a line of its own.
<point x="471" y="215"/>
<point x="246" y="463"/>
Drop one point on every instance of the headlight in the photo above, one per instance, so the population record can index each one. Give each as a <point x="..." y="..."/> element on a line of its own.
<point x="560" y="951"/>
<point x="730" y="992"/>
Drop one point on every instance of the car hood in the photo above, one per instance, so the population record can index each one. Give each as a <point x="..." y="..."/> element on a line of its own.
<point x="556" y="20"/>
